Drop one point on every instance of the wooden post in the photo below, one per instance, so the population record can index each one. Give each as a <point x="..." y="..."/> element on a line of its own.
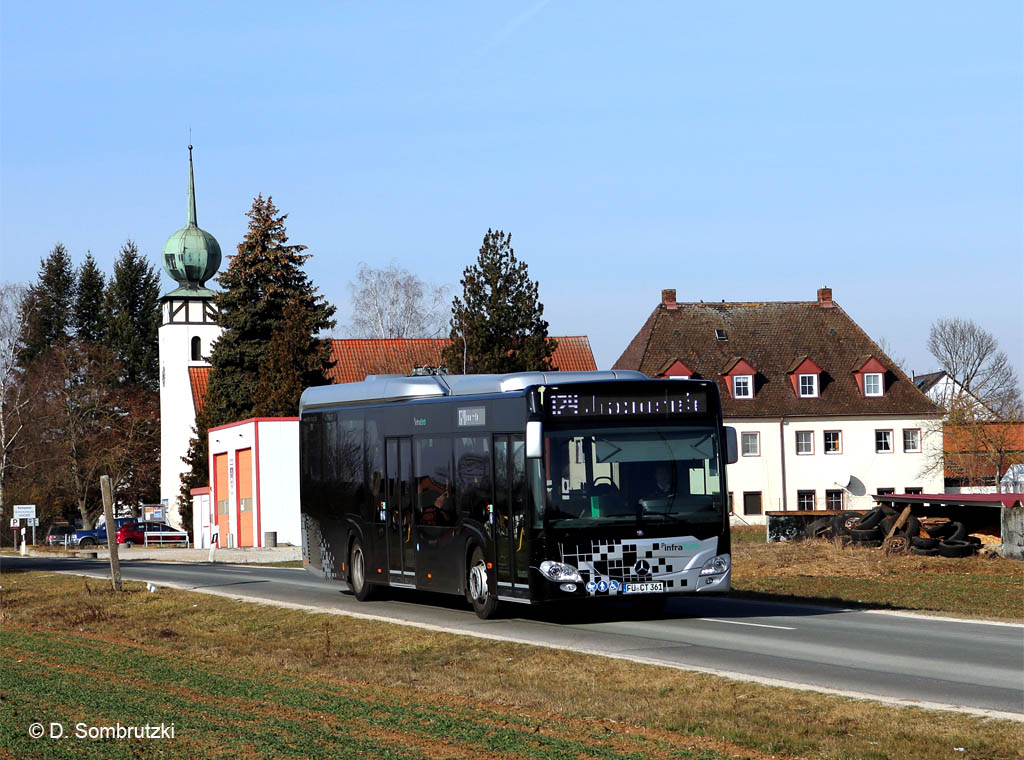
<point x="899" y="523"/>
<point x="108" y="513"/>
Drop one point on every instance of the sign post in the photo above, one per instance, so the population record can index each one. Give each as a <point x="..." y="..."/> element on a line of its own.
<point x="27" y="512"/>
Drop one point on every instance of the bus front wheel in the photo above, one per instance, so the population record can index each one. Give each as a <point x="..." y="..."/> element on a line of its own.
<point x="485" y="604"/>
<point x="361" y="588"/>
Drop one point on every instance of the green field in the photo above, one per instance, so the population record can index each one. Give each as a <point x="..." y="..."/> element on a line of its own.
<point x="254" y="681"/>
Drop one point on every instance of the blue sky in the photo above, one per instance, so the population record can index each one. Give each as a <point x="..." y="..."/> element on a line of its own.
<point x="740" y="152"/>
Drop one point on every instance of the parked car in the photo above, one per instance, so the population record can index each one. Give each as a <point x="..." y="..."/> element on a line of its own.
<point x="147" y="532"/>
<point x="86" y="538"/>
<point x="58" y="534"/>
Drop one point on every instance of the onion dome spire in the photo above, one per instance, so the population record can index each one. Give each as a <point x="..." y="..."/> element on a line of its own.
<point x="191" y="255"/>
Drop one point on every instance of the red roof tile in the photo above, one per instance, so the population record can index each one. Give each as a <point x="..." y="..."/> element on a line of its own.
<point x="355" y="358"/>
<point x="771" y="337"/>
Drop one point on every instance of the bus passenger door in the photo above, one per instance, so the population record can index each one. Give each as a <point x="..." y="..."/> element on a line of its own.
<point x="510" y="519"/>
<point x="398" y="499"/>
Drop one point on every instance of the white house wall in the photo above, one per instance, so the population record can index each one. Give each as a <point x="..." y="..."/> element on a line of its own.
<point x="274" y="479"/>
<point x="279" y="480"/>
<point x="820" y="472"/>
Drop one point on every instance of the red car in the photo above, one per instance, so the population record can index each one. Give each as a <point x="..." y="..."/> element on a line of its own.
<point x="151" y="533"/>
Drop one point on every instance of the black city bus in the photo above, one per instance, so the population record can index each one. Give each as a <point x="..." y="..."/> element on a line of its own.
<point x="529" y="487"/>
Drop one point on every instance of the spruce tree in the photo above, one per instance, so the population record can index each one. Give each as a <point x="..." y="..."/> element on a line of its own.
<point x="47" y="307"/>
<point x="294" y="361"/>
<point x="133" y="305"/>
<point x="498" y="324"/>
<point x="261" y="280"/>
<point x="89" y="313"/>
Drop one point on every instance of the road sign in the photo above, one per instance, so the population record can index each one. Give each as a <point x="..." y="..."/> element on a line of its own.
<point x="24" y="511"/>
<point x="33" y="522"/>
<point x="15" y="523"/>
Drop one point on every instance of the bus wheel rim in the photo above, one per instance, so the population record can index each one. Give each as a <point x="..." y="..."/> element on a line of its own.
<point x="478" y="582"/>
<point x="357" y="568"/>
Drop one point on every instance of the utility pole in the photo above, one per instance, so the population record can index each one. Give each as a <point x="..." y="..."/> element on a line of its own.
<point x="111" y="525"/>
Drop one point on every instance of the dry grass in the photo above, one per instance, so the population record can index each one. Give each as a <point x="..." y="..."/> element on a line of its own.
<point x="584" y="706"/>
<point x="818" y="569"/>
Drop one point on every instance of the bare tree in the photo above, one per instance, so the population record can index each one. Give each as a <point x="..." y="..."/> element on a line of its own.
<point x="971" y="357"/>
<point x="984" y="413"/>
<point x="13" y="398"/>
<point x="394" y="303"/>
<point x="890" y="350"/>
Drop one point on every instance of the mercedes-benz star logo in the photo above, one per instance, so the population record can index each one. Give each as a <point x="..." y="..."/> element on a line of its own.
<point x="642" y="567"/>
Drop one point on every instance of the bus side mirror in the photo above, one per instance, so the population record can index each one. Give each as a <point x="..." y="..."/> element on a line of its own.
<point x="732" y="450"/>
<point x="534" y="438"/>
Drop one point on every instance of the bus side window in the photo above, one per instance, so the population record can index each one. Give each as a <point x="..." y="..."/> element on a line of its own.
<point x="435" y="504"/>
<point x="374" y="465"/>
<point x="473" y="476"/>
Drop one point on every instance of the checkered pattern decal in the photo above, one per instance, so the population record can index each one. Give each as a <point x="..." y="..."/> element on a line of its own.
<point x="668" y="558"/>
<point x="315" y="547"/>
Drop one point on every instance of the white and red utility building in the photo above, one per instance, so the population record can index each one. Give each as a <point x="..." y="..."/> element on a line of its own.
<point x="254" y="485"/>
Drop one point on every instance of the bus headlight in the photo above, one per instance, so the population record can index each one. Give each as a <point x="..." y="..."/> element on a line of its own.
<point x="559" y="572"/>
<point x="716" y="566"/>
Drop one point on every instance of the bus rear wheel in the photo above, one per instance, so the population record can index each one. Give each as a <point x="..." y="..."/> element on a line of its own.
<point x="361" y="588"/>
<point x="485" y="604"/>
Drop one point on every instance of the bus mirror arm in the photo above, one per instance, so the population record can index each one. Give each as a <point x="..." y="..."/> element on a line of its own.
<point x="732" y="448"/>
<point x="534" y="439"/>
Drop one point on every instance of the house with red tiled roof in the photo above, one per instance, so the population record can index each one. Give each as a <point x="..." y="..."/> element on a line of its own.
<point x="825" y="418"/>
<point x="355" y="358"/>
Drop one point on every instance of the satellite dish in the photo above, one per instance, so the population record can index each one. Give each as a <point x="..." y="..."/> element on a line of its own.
<point x="843" y="479"/>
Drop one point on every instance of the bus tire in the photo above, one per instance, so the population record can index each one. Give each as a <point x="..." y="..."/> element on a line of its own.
<point x="362" y="589"/>
<point x="485" y="604"/>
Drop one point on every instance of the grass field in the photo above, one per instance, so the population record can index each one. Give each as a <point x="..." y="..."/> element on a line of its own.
<point x="980" y="587"/>
<point x="251" y="681"/>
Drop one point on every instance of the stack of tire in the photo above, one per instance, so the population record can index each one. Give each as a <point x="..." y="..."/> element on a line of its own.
<point x="870" y="529"/>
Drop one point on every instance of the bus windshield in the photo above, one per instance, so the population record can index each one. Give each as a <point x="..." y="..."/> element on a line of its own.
<point x="611" y="476"/>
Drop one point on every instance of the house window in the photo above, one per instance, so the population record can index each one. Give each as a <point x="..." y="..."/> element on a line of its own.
<point x="833" y="442"/>
<point x="743" y="386"/>
<point x="911" y="439"/>
<point x="834" y="499"/>
<point x="197" y="354"/>
<point x="885" y="491"/>
<point x="808" y="386"/>
<point x="805" y="501"/>
<point x="912" y="490"/>
<point x="751" y="444"/>
<point x="872" y="383"/>
<point x="751" y="502"/>
<point x="883" y="441"/>
<point x="804" y="442"/>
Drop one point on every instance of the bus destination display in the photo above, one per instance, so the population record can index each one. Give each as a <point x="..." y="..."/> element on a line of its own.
<point x="564" y="404"/>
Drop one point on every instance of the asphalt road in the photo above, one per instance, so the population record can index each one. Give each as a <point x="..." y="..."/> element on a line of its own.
<point x="978" y="666"/>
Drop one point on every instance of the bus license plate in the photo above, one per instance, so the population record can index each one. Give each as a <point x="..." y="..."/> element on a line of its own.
<point x="644" y="588"/>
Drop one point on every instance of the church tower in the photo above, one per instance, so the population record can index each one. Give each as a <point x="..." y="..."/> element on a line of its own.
<point x="187" y="332"/>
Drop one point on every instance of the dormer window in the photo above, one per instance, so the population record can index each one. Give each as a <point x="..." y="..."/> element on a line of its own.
<point x="743" y="386"/>
<point x="805" y="375"/>
<point x="870" y="374"/>
<point x="739" y="376"/>
<point x="721" y="335"/>
<point x="872" y="383"/>
<point x="808" y="386"/>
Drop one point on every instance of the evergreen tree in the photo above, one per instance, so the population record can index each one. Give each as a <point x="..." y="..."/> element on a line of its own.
<point x="498" y="324"/>
<point x="266" y="301"/>
<point x="294" y="361"/>
<point x="47" y="307"/>
<point x="89" y="313"/>
<point x="261" y="280"/>
<point x="133" y="305"/>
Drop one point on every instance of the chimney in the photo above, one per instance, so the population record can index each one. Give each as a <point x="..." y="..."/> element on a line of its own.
<point x="825" y="298"/>
<point x="668" y="298"/>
